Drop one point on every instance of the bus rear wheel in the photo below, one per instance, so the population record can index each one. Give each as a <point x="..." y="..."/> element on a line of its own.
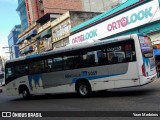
<point x="24" y="92"/>
<point x="83" y="89"/>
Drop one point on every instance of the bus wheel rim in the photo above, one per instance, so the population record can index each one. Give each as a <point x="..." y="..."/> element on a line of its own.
<point x="24" y="93"/>
<point x="83" y="90"/>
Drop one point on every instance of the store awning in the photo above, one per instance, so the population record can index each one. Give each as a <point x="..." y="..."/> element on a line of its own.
<point x="21" y="40"/>
<point x="21" y="52"/>
<point x="27" y="36"/>
<point x="44" y="34"/>
<point x="31" y="34"/>
<point x="156" y="51"/>
<point x="28" y="49"/>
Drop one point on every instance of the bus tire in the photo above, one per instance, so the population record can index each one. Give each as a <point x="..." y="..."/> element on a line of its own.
<point x="83" y="89"/>
<point x="24" y="92"/>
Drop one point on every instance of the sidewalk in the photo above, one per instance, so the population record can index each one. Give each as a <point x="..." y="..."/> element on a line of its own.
<point x="156" y="81"/>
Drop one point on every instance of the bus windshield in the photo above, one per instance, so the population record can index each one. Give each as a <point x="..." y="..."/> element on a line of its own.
<point x="146" y="46"/>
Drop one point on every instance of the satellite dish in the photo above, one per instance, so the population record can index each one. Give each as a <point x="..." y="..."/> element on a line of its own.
<point x="25" y="41"/>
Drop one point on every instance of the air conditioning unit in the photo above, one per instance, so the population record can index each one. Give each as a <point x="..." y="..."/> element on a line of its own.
<point x="42" y="8"/>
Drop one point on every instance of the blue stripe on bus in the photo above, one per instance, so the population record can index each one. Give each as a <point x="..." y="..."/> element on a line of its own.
<point x="95" y="77"/>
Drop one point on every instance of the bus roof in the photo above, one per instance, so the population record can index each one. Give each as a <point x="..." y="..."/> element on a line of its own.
<point x="74" y="47"/>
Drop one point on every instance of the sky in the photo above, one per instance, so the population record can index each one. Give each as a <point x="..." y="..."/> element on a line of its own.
<point x="8" y="19"/>
<point x="124" y="0"/>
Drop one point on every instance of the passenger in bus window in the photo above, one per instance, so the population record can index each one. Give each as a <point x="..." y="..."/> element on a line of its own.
<point x="109" y="59"/>
<point x="110" y="56"/>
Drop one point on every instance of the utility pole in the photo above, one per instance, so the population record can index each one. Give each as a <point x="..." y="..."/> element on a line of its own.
<point x="10" y="51"/>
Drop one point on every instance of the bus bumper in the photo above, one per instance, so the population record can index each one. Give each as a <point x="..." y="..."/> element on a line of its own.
<point x="148" y="79"/>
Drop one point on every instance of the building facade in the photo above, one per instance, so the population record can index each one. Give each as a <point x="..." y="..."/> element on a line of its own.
<point x="61" y="27"/>
<point x="12" y="40"/>
<point x="38" y="8"/>
<point x="35" y="9"/>
<point x="51" y="34"/>
<point x="31" y="38"/>
<point x="99" y="5"/>
<point x="27" y="42"/>
<point x="21" y="9"/>
<point x="130" y="17"/>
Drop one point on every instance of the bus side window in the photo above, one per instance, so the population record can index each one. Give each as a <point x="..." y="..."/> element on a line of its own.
<point x="36" y="67"/>
<point x="102" y="57"/>
<point x="114" y="59"/>
<point x="89" y="59"/>
<point x="48" y="65"/>
<point x="68" y="62"/>
<point x="57" y="64"/>
<point x="21" y="70"/>
<point x="117" y="56"/>
<point x="110" y="56"/>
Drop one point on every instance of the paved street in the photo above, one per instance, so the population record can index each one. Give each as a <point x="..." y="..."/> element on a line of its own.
<point x="146" y="98"/>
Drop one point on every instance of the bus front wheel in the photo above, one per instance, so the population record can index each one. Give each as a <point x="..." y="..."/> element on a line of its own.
<point x="24" y="92"/>
<point x="83" y="89"/>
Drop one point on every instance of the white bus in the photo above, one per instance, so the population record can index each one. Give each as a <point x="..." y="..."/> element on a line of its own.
<point x="120" y="62"/>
